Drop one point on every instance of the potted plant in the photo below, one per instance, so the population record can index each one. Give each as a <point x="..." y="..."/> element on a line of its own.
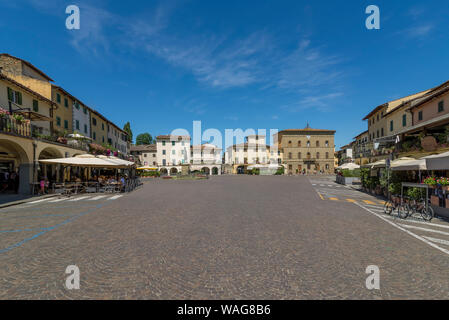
<point x="444" y="182"/>
<point x="19" y="118"/>
<point x="431" y="182"/>
<point x="3" y="113"/>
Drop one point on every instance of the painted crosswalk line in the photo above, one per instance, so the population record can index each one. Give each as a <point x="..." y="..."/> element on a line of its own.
<point x="351" y="200"/>
<point x="429" y="224"/>
<point x="80" y="198"/>
<point x="97" y="198"/>
<point x="423" y="229"/>
<point x="115" y="197"/>
<point x="39" y="201"/>
<point x="440" y="241"/>
<point x="58" y="200"/>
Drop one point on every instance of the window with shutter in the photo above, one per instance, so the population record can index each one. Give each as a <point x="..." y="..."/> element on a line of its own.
<point x="10" y="94"/>
<point x="19" y="97"/>
<point x="441" y="106"/>
<point x="35" y="106"/>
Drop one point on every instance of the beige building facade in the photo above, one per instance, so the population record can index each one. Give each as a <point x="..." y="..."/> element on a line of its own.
<point x="308" y="150"/>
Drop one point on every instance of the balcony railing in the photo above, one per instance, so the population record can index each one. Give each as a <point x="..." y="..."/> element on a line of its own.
<point x="10" y="125"/>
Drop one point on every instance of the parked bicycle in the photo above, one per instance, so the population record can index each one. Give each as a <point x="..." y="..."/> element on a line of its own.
<point x="426" y="212"/>
<point x="401" y="208"/>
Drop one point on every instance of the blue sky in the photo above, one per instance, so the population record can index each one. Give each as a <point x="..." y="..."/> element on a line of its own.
<point x="233" y="64"/>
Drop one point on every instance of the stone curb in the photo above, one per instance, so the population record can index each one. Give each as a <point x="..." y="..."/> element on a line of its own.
<point x="14" y="203"/>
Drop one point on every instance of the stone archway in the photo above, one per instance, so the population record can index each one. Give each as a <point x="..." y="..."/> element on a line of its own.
<point x="173" y="171"/>
<point x="52" y="172"/>
<point x="163" y="171"/>
<point x="214" y="171"/>
<point x="17" y="158"/>
<point x="205" y="170"/>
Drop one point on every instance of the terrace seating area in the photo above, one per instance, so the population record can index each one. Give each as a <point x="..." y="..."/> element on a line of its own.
<point x="110" y="186"/>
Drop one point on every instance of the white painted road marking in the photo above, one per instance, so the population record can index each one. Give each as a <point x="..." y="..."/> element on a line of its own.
<point x="115" y="197"/>
<point x="445" y="242"/>
<point x="39" y="201"/>
<point x="433" y="245"/>
<point x="422" y="222"/>
<point x="58" y="200"/>
<point x="424" y="229"/>
<point x="80" y="198"/>
<point x="97" y="198"/>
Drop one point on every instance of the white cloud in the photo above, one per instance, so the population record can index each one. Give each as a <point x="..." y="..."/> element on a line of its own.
<point x="307" y="73"/>
<point x="322" y="102"/>
<point x="418" y="31"/>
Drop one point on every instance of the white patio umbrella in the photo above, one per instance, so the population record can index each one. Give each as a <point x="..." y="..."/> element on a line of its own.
<point x="437" y="161"/>
<point x="117" y="161"/>
<point x="408" y="165"/>
<point x="78" y="136"/>
<point x="85" y="160"/>
<point x="349" y="166"/>
<point x="377" y="164"/>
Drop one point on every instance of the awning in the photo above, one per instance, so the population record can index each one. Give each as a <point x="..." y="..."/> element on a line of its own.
<point x="349" y="166"/>
<point x="117" y="161"/>
<point x="378" y="164"/>
<point x="405" y="165"/>
<point x="85" y="160"/>
<point x="437" y="161"/>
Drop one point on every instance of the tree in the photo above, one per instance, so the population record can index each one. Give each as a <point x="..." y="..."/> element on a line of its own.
<point x="144" y="138"/>
<point x="127" y="129"/>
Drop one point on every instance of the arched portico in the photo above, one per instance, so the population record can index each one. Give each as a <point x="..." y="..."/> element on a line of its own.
<point x="52" y="172"/>
<point x="17" y="157"/>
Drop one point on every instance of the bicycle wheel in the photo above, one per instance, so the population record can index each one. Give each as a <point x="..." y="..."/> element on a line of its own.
<point x="403" y="211"/>
<point x="388" y="207"/>
<point x="427" y="214"/>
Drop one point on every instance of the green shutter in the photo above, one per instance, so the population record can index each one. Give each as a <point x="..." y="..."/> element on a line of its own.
<point x="35" y="106"/>
<point x="19" y="98"/>
<point x="10" y="94"/>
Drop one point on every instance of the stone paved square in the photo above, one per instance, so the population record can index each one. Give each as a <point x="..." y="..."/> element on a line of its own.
<point x="228" y="237"/>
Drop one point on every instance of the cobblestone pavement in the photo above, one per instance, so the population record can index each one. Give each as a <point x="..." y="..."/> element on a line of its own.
<point x="229" y="237"/>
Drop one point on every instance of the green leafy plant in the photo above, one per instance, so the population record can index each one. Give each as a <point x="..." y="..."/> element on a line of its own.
<point x="431" y="181"/>
<point x="443" y="181"/>
<point x="280" y="171"/>
<point x="415" y="193"/>
<point x="395" y="188"/>
<point x="351" y="173"/>
<point x="19" y="118"/>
